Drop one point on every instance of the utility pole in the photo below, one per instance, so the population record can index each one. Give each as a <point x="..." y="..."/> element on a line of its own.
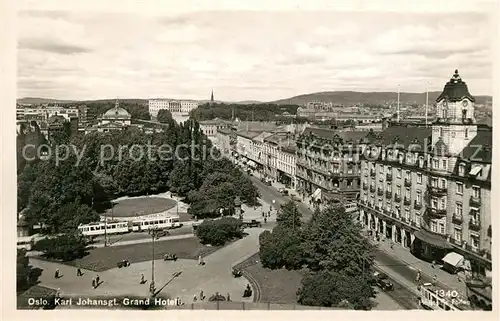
<point x="398" y="103"/>
<point x="426" y="102"/>
<point x="106" y="228"/>
<point x="154" y="234"/>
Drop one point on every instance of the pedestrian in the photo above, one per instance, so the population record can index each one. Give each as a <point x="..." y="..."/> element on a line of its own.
<point x="434" y="279"/>
<point x="228" y="298"/>
<point x="265" y="219"/>
<point x="202" y="297"/>
<point x="417" y="278"/>
<point x="433" y="263"/>
<point x="142" y="279"/>
<point x="195" y="298"/>
<point x="97" y="280"/>
<point x="79" y="272"/>
<point x="56" y="274"/>
<point x="199" y="259"/>
<point x="93" y="283"/>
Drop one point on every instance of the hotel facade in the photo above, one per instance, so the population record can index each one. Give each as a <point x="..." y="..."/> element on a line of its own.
<point x="428" y="187"/>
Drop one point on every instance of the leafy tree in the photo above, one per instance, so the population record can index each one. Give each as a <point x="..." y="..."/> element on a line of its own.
<point x="218" y="232"/>
<point x="65" y="247"/>
<point x="257" y="112"/>
<point x="25" y="180"/>
<point x="281" y="248"/>
<point x="23" y="270"/>
<point x="332" y="241"/>
<point x="334" y="289"/>
<point x="165" y="116"/>
<point x="289" y="216"/>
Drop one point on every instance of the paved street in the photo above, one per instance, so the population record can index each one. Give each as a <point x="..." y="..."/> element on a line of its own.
<point x="215" y="276"/>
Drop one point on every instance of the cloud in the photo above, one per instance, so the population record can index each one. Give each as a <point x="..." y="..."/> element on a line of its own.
<point x="245" y="55"/>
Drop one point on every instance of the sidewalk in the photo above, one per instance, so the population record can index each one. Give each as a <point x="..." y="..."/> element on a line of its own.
<point x="445" y="280"/>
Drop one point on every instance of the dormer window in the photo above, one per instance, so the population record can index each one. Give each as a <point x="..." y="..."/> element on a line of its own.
<point x="435" y="163"/>
<point x="461" y="169"/>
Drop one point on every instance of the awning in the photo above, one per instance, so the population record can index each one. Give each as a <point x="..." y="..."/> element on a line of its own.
<point x="432" y="239"/>
<point x="317" y="194"/>
<point x="453" y="259"/>
<point x="251" y="163"/>
<point x="475" y="170"/>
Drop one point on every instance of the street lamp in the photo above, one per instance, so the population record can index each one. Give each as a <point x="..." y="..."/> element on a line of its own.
<point x="153" y="231"/>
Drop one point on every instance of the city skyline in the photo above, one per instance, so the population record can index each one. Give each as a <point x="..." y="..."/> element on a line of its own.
<point x="246" y="55"/>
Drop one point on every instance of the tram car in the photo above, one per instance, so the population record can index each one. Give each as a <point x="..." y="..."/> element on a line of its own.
<point x="165" y="222"/>
<point x="101" y="228"/>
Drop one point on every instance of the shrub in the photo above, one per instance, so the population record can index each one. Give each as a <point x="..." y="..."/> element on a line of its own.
<point x="65" y="247"/>
<point x="218" y="232"/>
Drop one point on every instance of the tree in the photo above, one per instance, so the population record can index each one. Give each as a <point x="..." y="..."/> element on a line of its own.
<point x="165" y="116"/>
<point x="281" y="248"/>
<point x="333" y="241"/>
<point x="289" y="216"/>
<point x="334" y="289"/>
<point x="218" y="232"/>
<point x="65" y="247"/>
<point x="23" y="270"/>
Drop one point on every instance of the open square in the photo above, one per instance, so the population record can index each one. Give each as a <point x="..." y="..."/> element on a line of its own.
<point x="140" y="206"/>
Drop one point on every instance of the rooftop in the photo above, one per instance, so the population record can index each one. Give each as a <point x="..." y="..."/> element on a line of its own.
<point x="479" y="148"/>
<point x="455" y="90"/>
<point x="401" y="135"/>
<point x="346" y="136"/>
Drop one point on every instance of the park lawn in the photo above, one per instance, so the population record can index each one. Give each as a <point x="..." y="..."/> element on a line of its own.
<point x="105" y="258"/>
<point x="140" y="206"/>
<point x="277" y="286"/>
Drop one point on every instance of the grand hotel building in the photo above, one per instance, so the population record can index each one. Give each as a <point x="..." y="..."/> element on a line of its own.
<point x="428" y="187"/>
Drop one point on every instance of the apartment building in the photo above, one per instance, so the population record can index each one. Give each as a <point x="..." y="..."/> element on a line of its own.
<point x="428" y="187"/>
<point x="279" y="157"/>
<point x="328" y="164"/>
<point x="210" y="127"/>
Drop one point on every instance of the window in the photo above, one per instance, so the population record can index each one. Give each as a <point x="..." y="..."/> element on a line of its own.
<point x="397" y="211"/>
<point x="460" y="188"/>
<point x="407" y="213"/>
<point x="461" y="169"/>
<point x="407" y="193"/>
<point x="441" y="227"/>
<point x="434" y="203"/>
<point x="459" y="210"/>
<point x="388" y="206"/>
<point x="443" y="183"/>
<point x="434" y="226"/>
<point x="435" y="163"/>
<point x="380" y="204"/>
<point x="476" y="191"/>
<point x="441" y="131"/>
<point x="419" y="197"/>
<point x="474" y="216"/>
<point x="419" y="178"/>
<point x="474" y="242"/>
<point x="444" y="164"/>
<point x="408" y="175"/>
<point x="389" y="187"/>
<point x="457" y="235"/>
<point x="389" y="169"/>
<point x="434" y="182"/>
<point x="399" y="172"/>
<point x="398" y="190"/>
<point x="442" y="204"/>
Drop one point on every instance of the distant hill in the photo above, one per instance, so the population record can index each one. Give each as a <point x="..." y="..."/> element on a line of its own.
<point x="353" y="97"/>
<point x="37" y="100"/>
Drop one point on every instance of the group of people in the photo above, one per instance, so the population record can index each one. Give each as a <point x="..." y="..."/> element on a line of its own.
<point x="418" y="278"/>
<point x="95" y="280"/>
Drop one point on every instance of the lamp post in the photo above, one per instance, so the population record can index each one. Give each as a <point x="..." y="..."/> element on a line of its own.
<point x="153" y="231"/>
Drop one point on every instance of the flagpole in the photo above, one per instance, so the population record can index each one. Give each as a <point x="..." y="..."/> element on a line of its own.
<point x="398" y="103"/>
<point x="426" y="103"/>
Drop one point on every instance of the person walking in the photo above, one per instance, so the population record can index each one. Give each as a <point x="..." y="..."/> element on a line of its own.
<point x="202" y="297"/>
<point x="265" y="220"/>
<point x="195" y="298"/>
<point x="56" y="274"/>
<point x="97" y="278"/>
<point x="417" y="277"/>
<point x="93" y="283"/>
<point x="228" y="297"/>
<point x="142" y="279"/>
<point x="434" y="279"/>
<point x="199" y="259"/>
<point x="79" y="272"/>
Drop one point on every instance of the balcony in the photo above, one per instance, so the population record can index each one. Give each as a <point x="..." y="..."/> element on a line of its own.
<point x="474" y="225"/>
<point x="475" y="201"/>
<point x="380" y="192"/>
<point x="407" y="182"/>
<point x="456" y="220"/>
<point x="372" y="173"/>
<point x="397" y="198"/>
<point x="407" y="201"/>
<point x="437" y="213"/>
<point x="372" y="189"/>
<point x="365" y="187"/>
<point x="388" y="194"/>
<point x="388" y="177"/>
<point x="437" y="191"/>
<point x="417" y="206"/>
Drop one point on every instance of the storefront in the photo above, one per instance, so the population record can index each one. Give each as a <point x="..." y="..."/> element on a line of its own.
<point x="430" y="246"/>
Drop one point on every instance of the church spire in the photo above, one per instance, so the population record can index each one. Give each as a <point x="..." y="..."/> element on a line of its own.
<point x="117" y="104"/>
<point x="212" y="97"/>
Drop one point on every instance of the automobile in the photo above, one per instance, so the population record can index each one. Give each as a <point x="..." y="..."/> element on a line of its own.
<point x="382" y="281"/>
<point x="252" y="223"/>
<point x="283" y="192"/>
<point x="162" y="233"/>
<point x="170" y="257"/>
<point x="123" y="263"/>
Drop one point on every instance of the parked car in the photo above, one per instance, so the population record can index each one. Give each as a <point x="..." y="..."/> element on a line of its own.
<point x="252" y="223"/>
<point x="170" y="257"/>
<point x="283" y="192"/>
<point x="382" y="281"/>
<point x="162" y="233"/>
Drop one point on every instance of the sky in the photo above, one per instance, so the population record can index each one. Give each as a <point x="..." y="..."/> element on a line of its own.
<point x="66" y="52"/>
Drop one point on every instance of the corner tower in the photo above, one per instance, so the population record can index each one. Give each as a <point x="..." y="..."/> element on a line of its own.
<point x="455" y="125"/>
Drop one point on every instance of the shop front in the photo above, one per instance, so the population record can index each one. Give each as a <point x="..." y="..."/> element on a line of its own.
<point x="429" y="246"/>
